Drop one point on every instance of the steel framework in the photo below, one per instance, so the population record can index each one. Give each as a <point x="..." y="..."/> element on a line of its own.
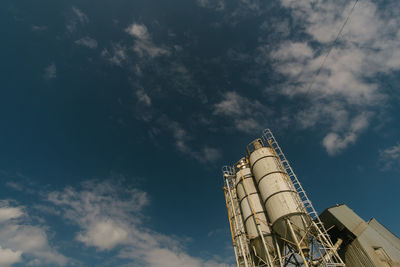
<point x="287" y="251"/>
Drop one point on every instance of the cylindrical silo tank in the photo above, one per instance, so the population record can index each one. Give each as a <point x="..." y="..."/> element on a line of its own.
<point x="253" y="213"/>
<point x="281" y="201"/>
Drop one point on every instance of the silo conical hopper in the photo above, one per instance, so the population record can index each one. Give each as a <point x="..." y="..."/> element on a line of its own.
<point x="253" y="213"/>
<point x="281" y="201"/>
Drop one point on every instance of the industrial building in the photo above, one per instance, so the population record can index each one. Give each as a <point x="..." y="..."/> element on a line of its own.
<point x="273" y="223"/>
<point x="364" y="243"/>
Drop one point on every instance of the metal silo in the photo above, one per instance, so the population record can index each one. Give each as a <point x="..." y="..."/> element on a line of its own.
<point x="239" y="238"/>
<point x="282" y="202"/>
<point x="254" y="218"/>
<point x="272" y="220"/>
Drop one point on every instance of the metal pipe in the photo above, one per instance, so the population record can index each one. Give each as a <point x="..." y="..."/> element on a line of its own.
<point x="278" y="251"/>
<point x="231" y="227"/>
<point x="237" y="227"/>
<point x="297" y="242"/>
<point x="328" y="254"/>
<point x="328" y="241"/>
<point x="265" y="246"/>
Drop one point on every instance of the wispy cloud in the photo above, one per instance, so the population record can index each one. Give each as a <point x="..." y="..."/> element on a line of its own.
<point x="78" y="17"/>
<point x="117" y="54"/>
<point x="343" y="92"/>
<point x="233" y="12"/>
<point x="218" y="5"/>
<point x="19" y="182"/>
<point x="335" y="143"/>
<point x="143" y="97"/>
<point x="8" y="213"/>
<point x="50" y="72"/>
<point x="245" y="114"/>
<point x="38" y="28"/>
<point x="110" y="218"/>
<point x="106" y="229"/>
<point x="389" y="158"/>
<point x="143" y="42"/>
<point x="205" y="154"/>
<point x="87" y="42"/>
<point x="21" y="241"/>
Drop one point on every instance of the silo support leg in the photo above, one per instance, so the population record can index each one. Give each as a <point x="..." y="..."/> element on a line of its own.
<point x="297" y="242"/>
<point x="278" y="251"/>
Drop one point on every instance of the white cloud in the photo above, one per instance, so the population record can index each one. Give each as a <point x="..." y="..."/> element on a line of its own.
<point x="50" y="72"/>
<point x="18" y="237"/>
<point x="212" y="4"/>
<point x="234" y="104"/>
<point x="8" y="257"/>
<point x="46" y="209"/>
<point x="78" y="17"/>
<point x="143" y="43"/>
<point x="209" y="154"/>
<point x="143" y="97"/>
<point x="334" y="143"/>
<point x="87" y="41"/>
<point x="390" y="157"/>
<point x="110" y="218"/>
<point x="139" y="31"/>
<point x="15" y="186"/>
<point x="367" y="47"/>
<point x="101" y="210"/>
<point x="38" y="28"/>
<point x="23" y="184"/>
<point x="244" y="113"/>
<point x="182" y="80"/>
<point x="203" y="154"/>
<point x="281" y="27"/>
<point x="116" y="55"/>
<point x="293" y="52"/>
<point x="104" y="234"/>
<point x="247" y="125"/>
<point x="7" y="213"/>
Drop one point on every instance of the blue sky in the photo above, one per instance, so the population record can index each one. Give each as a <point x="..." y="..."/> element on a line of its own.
<point x="116" y="118"/>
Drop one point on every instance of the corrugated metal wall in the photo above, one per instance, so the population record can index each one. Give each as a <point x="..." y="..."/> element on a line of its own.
<point x="370" y="244"/>
<point x="356" y="256"/>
